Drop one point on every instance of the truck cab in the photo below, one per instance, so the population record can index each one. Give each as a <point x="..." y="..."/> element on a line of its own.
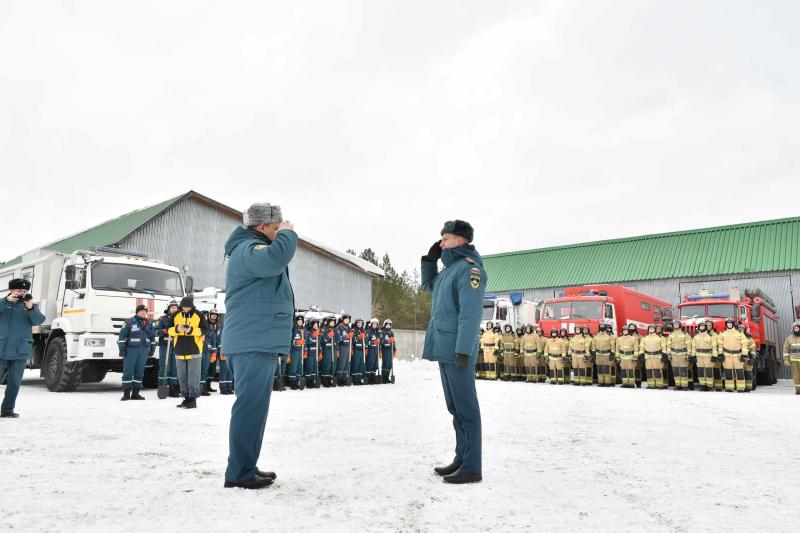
<point x="750" y="307"/>
<point x="513" y="310"/>
<point x="86" y="297"/>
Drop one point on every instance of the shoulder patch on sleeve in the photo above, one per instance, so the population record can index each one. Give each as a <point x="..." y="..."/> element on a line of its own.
<point x="474" y="278"/>
<point x="259" y="247"/>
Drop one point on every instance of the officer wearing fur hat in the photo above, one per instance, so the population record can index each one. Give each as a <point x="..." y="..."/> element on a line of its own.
<point x="18" y="315"/>
<point x="257" y="281"/>
<point x="137" y="342"/>
<point x="456" y="309"/>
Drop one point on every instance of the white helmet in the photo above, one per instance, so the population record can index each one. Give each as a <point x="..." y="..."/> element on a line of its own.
<point x="373" y="321"/>
<point x="386" y="322"/>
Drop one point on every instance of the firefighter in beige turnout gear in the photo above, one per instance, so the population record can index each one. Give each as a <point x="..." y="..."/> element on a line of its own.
<point x="529" y="349"/>
<point x="555" y="350"/>
<point x="540" y="358"/>
<point x="605" y="348"/>
<point x="627" y="351"/>
<point x="490" y="343"/>
<point x="681" y="354"/>
<point x="733" y="350"/>
<point x="508" y="345"/>
<point x="791" y="355"/>
<point x="580" y="349"/>
<point x="653" y="347"/>
<point x="749" y="375"/>
<point x="705" y="350"/>
<point x="717" y="368"/>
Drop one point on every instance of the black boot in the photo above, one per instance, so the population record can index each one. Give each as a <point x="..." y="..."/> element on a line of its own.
<point x="190" y="404"/>
<point x="136" y="395"/>
<point x="126" y="395"/>
<point x="459" y="478"/>
<point x="204" y="390"/>
<point x="174" y="392"/>
<point x="256" y="482"/>
<point x="270" y="475"/>
<point x="209" y="388"/>
<point x="182" y="404"/>
<point x="452" y="468"/>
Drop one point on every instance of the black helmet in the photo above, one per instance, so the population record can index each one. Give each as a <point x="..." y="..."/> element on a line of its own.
<point x="702" y="326"/>
<point x="626" y="331"/>
<point x="297" y="318"/>
<point x="529" y="329"/>
<point x="540" y="331"/>
<point x="519" y="332"/>
<point x="563" y="331"/>
<point x="553" y="332"/>
<point x="481" y="331"/>
<point x="508" y="327"/>
<point x="489" y="324"/>
<point x="651" y="329"/>
<point x="659" y="328"/>
<point x="311" y="323"/>
<point x="677" y="324"/>
<point x="632" y="327"/>
<point x="669" y="328"/>
<point x="585" y="330"/>
<point x="601" y="327"/>
<point x="497" y="329"/>
<point x="730" y="321"/>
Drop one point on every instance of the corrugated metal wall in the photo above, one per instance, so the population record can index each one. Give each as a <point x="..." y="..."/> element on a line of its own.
<point x="320" y="281"/>
<point x="194" y="234"/>
<point x="189" y="233"/>
<point x="781" y="286"/>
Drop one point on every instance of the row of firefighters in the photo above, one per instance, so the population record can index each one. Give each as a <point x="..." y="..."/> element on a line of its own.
<point x="723" y="361"/>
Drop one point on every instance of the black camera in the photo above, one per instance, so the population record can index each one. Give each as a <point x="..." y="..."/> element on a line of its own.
<point x="25" y="298"/>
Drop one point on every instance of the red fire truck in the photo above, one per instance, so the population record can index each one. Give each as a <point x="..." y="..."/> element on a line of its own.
<point x="752" y="308"/>
<point x="591" y="305"/>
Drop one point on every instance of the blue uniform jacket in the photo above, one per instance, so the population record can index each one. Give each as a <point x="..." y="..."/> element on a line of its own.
<point x="457" y="304"/>
<point x="260" y="300"/>
<point x="298" y="341"/>
<point x="312" y="343"/>
<point x="214" y="338"/>
<point x="136" y="333"/>
<point x="16" y="322"/>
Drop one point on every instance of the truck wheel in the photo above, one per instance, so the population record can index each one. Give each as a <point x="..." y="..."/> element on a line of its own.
<point x="92" y="373"/>
<point x="150" y="380"/>
<point x="59" y="374"/>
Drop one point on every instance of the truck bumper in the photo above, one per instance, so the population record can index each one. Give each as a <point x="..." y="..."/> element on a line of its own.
<point x="92" y="346"/>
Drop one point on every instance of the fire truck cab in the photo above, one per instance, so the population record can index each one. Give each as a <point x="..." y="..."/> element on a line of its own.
<point x="614" y="305"/>
<point x="750" y="307"/>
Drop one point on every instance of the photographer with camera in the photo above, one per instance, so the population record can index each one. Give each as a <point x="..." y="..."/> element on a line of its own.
<point x="18" y="314"/>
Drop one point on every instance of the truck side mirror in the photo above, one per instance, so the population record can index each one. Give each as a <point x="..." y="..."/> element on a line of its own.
<point x="189" y="284"/>
<point x="71" y="276"/>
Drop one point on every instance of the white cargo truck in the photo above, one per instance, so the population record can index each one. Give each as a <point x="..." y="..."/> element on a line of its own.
<point x="86" y="296"/>
<point x="513" y="310"/>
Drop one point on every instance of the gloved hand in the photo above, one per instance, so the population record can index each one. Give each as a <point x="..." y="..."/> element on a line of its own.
<point x="693" y="359"/>
<point x="714" y="359"/>
<point x="462" y="361"/>
<point x="213" y="357"/>
<point x="435" y="252"/>
<point x="721" y="357"/>
<point x="612" y="357"/>
<point x="151" y="351"/>
<point x="122" y="353"/>
<point x="664" y="358"/>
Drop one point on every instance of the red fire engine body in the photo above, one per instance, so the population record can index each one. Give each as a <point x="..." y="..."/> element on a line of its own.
<point x="591" y="305"/>
<point x="752" y="308"/>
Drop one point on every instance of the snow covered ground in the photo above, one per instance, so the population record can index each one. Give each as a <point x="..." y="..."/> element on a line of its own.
<point x="360" y="458"/>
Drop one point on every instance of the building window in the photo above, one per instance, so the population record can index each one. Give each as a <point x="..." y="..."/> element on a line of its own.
<point x="645" y="306"/>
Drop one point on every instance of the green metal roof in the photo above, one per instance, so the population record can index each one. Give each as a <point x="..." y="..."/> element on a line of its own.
<point x="753" y="247"/>
<point x="108" y="233"/>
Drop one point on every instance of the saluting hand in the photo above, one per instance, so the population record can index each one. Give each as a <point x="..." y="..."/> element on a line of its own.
<point x="285" y="225"/>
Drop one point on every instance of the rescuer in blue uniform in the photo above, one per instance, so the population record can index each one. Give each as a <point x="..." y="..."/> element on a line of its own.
<point x="137" y="342"/>
<point x="373" y="347"/>
<point x="18" y="315"/>
<point x="327" y="361"/>
<point x="257" y="281"/>
<point x="388" y="351"/>
<point x="162" y="331"/>
<point x="456" y="310"/>
<point x="311" y="366"/>
<point x="344" y="343"/>
<point x="359" y="345"/>
<point x="297" y="353"/>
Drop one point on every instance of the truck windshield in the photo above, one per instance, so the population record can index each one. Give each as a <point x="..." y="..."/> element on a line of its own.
<point x="714" y="310"/>
<point x="591" y="309"/>
<point x="124" y="277"/>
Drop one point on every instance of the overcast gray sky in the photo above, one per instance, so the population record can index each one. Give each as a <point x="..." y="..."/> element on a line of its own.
<point x="370" y="123"/>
